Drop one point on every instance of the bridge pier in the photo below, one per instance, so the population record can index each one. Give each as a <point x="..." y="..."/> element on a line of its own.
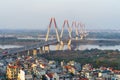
<point x="46" y="49"/>
<point x="57" y="47"/>
<point x="41" y="50"/>
<point x="61" y="45"/>
<point x="34" y="52"/>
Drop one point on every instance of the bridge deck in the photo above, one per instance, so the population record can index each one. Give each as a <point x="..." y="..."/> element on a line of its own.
<point x="29" y="47"/>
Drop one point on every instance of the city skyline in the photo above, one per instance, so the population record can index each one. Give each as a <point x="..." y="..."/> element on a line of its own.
<point x="36" y="14"/>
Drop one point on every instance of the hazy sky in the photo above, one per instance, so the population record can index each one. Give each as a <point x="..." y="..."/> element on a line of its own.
<point x="35" y="14"/>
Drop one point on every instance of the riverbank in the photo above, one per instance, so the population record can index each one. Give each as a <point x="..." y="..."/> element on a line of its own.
<point x="21" y="42"/>
<point x="74" y="42"/>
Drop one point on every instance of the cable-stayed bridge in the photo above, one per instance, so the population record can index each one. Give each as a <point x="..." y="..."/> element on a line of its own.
<point x="76" y="31"/>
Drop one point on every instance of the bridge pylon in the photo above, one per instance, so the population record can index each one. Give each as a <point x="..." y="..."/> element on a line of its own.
<point x="52" y="20"/>
<point x="83" y="32"/>
<point x="75" y="26"/>
<point x="61" y="36"/>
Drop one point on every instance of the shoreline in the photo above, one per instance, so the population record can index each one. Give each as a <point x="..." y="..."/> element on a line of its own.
<point x="74" y="42"/>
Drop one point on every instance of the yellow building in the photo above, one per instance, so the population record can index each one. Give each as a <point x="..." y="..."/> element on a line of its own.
<point x="12" y="72"/>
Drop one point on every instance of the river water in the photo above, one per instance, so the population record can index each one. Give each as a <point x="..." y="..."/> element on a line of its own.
<point x="80" y="47"/>
<point x="9" y="46"/>
<point x="110" y="47"/>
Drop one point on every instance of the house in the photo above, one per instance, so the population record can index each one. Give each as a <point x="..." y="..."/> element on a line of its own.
<point x="52" y="76"/>
<point x="70" y="69"/>
<point x="106" y="73"/>
<point x="52" y="64"/>
<point x="42" y="66"/>
<point x="116" y="77"/>
<point x="77" y="66"/>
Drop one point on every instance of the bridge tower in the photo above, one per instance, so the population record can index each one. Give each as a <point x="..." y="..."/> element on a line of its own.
<point x="52" y="20"/>
<point x="83" y="32"/>
<point x="75" y="26"/>
<point x="61" y="35"/>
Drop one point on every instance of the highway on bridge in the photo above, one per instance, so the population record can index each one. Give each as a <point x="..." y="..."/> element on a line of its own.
<point x="29" y="47"/>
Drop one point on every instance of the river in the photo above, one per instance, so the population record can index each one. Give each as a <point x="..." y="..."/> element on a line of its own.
<point x="110" y="47"/>
<point x="80" y="47"/>
<point x="9" y="46"/>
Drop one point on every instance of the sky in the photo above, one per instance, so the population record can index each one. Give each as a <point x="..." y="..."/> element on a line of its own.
<point x="36" y="14"/>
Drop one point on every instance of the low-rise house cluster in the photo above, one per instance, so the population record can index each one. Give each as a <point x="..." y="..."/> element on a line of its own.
<point x="41" y="69"/>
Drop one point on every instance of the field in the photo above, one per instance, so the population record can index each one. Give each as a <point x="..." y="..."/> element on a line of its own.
<point x="108" y="58"/>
